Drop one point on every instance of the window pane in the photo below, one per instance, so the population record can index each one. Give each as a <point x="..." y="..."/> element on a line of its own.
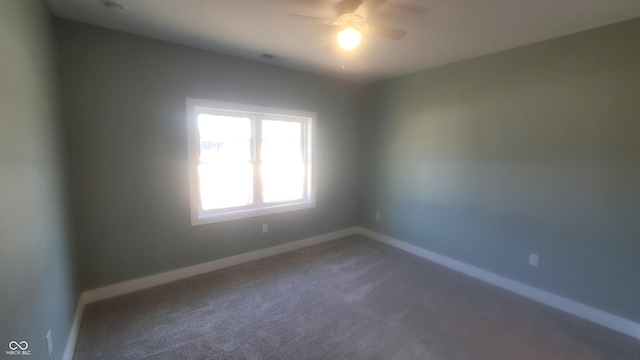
<point x="282" y="181"/>
<point x="224" y="138"/>
<point x="225" y="185"/>
<point x="283" y="168"/>
<point x="225" y="172"/>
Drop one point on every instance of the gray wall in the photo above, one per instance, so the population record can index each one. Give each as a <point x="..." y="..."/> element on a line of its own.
<point x="535" y="149"/>
<point x="529" y="150"/>
<point x="37" y="290"/>
<point x="124" y="105"/>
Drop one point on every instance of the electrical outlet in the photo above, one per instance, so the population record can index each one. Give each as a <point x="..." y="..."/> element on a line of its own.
<point x="265" y="228"/>
<point x="377" y="215"/>
<point x="534" y="259"/>
<point x="49" y="342"/>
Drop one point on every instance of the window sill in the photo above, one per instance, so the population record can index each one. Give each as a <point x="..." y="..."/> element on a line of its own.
<point x="203" y="218"/>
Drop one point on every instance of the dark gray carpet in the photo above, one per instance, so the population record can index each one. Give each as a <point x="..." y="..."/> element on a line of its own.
<point x="351" y="298"/>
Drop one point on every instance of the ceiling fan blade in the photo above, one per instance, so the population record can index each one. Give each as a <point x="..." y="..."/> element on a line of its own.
<point x="368" y="7"/>
<point x="309" y="18"/>
<point x="390" y="33"/>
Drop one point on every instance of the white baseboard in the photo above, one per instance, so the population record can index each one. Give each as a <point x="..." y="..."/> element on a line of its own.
<point x="183" y="273"/>
<point x="575" y="308"/>
<point x="75" y="327"/>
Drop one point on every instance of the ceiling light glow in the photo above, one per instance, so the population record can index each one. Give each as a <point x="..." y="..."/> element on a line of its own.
<point x="349" y="39"/>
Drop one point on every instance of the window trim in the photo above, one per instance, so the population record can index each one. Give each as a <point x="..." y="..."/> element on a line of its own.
<point x="201" y="217"/>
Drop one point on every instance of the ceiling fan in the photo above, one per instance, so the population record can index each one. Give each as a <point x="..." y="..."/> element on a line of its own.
<point x="351" y="17"/>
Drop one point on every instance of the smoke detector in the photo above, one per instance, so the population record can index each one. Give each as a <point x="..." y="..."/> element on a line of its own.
<point x="114" y="7"/>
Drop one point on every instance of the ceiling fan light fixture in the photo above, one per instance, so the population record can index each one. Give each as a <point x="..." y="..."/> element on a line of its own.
<point x="349" y="39"/>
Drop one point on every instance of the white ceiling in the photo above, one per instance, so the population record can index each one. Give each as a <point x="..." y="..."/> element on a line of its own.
<point x="438" y="31"/>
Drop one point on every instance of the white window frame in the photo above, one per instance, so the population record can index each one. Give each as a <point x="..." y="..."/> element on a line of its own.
<point x="199" y="106"/>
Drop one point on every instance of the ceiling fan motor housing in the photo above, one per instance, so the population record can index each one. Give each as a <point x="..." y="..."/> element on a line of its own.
<point x="349" y="19"/>
<point x="347" y="13"/>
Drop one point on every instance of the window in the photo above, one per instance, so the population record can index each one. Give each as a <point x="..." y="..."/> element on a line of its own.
<point x="247" y="160"/>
